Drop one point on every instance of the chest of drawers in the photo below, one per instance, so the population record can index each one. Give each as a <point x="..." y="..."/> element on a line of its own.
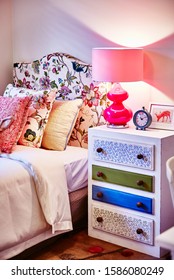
<point x="129" y="201"/>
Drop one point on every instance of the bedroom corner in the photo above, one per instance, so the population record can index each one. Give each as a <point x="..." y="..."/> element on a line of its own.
<point x="46" y="59"/>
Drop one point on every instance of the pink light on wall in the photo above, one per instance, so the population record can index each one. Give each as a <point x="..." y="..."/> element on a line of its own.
<point x="117" y="65"/>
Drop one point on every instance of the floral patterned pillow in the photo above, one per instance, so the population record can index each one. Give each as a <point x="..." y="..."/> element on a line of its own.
<point x="90" y="114"/>
<point x="39" y="110"/>
<point x="73" y="79"/>
<point x="13" y="116"/>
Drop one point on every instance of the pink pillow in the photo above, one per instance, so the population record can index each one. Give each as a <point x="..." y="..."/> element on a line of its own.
<point x="13" y="116"/>
<point x="39" y="110"/>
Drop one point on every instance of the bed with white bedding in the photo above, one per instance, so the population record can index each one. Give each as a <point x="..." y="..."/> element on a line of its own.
<point x="29" y="213"/>
<point x="43" y="172"/>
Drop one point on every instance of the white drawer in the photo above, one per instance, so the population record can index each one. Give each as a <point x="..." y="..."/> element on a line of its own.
<point x="124" y="153"/>
<point x="123" y="224"/>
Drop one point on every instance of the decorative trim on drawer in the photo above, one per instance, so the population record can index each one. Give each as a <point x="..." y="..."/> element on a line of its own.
<point x="122" y="199"/>
<point x="125" y="153"/>
<point x="123" y="224"/>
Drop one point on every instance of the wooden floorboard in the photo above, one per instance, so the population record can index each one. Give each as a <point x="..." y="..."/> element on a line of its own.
<point x="78" y="245"/>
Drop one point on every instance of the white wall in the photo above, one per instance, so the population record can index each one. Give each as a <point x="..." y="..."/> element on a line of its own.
<point x="5" y="44"/>
<point x="76" y="26"/>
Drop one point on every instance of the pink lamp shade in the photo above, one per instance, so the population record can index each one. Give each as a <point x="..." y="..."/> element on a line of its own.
<point x="117" y="65"/>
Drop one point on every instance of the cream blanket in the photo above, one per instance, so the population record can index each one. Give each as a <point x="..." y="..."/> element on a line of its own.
<point x="48" y="175"/>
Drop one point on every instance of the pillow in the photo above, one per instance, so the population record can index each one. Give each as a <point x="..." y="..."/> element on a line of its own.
<point x="73" y="79"/>
<point x="39" y="110"/>
<point x="90" y="114"/>
<point x="13" y="116"/>
<point x="60" y="124"/>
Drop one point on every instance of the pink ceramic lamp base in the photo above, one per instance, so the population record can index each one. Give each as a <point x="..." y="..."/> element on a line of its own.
<point x="117" y="115"/>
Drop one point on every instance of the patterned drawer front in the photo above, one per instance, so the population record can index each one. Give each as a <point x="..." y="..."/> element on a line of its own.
<point x="123" y="224"/>
<point x="123" y="178"/>
<point x="129" y="154"/>
<point x="122" y="199"/>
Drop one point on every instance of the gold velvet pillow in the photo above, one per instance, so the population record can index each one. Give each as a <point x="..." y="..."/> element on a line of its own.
<point x="60" y="124"/>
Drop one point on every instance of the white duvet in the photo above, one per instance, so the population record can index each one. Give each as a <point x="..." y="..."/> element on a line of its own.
<point x="35" y="197"/>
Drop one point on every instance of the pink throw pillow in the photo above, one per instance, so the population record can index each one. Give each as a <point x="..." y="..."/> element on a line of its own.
<point x="13" y="116"/>
<point x="39" y="110"/>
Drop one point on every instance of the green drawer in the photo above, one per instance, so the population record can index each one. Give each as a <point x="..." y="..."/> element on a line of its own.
<point x="123" y="178"/>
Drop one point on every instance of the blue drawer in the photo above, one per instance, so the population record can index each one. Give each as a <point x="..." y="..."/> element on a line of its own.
<point x="123" y="199"/>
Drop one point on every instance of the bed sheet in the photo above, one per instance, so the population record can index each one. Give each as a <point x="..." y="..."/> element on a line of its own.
<point x="75" y="160"/>
<point x="33" y="194"/>
<point x="23" y="226"/>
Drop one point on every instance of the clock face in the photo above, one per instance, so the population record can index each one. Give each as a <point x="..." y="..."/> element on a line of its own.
<point x="142" y="119"/>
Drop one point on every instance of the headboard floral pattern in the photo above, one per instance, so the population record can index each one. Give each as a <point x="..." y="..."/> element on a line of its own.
<point x="73" y="79"/>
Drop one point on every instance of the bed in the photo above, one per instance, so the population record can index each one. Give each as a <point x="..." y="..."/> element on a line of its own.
<point x="43" y="149"/>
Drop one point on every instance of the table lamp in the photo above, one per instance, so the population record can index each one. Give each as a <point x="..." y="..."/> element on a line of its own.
<point x="117" y="65"/>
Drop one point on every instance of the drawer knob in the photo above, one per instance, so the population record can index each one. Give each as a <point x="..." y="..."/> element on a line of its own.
<point x="140" y="156"/>
<point x="99" y="174"/>
<point x="99" y="219"/>
<point x="139" y="231"/>
<point x="140" y="183"/>
<point x="99" y="150"/>
<point x="99" y="194"/>
<point x="140" y="204"/>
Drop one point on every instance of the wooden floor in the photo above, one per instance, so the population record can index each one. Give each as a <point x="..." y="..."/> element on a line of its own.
<point x="79" y="246"/>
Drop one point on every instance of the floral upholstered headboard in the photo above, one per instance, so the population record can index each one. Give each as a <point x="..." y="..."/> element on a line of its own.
<point x="73" y="79"/>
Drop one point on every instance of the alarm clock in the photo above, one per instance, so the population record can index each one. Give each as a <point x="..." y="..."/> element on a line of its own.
<point x="142" y="119"/>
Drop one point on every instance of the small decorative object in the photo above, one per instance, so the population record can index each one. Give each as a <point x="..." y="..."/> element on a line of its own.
<point x="142" y="119"/>
<point x="162" y="116"/>
<point x="127" y="253"/>
<point x="95" y="249"/>
<point x="117" y="65"/>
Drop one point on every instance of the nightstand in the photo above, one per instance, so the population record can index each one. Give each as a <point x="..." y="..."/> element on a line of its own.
<point x="129" y="202"/>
